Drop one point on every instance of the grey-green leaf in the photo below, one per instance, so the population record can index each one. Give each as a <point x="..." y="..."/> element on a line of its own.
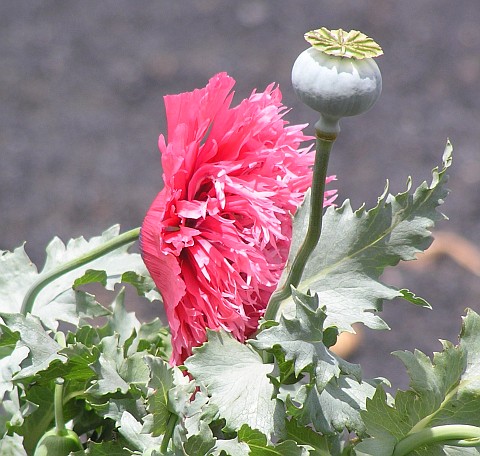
<point x="42" y="348"/>
<point x="336" y="407"/>
<point x="11" y="445"/>
<point x="443" y="391"/>
<point x="300" y="337"/>
<point x="131" y="431"/>
<point x="161" y="381"/>
<point x="56" y="302"/>
<point x="356" y="246"/>
<point x="225" y="366"/>
<point x="259" y="446"/>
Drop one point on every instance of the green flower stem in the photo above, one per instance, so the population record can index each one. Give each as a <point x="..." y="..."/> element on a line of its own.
<point x="171" y="423"/>
<point x="324" y="144"/>
<point x="58" y="406"/>
<point x="454" y="434"/>
<point x="57" y="272"/>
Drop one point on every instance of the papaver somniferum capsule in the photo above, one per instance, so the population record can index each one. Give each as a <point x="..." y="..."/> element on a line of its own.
<point x="59" y="441"/>
<point x="54" y="443"/>
<point x="337" y="75"/>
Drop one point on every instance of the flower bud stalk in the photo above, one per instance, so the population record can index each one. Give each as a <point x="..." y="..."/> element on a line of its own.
<point x="59" y="441"/>
<point x="324" y="144"/>
<point x="337" y="77"/>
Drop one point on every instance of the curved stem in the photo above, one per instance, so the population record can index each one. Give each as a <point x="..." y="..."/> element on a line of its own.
<point x="454" y="434"/>
<point x="324" y="146"/>
<point x="58" y="406"/>
<point x="57" y="272"/>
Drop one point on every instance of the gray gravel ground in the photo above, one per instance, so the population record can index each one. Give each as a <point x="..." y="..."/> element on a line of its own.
<point x="81" y="87"/>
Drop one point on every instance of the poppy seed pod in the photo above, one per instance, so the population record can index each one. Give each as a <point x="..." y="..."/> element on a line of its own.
<point x="54" y="443"/>
<point x="337" y="76"/>
<point x="59" y="441"/>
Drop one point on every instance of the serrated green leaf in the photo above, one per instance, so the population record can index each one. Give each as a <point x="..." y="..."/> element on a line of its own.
<point x="376" y="447"/>
<point x="79" y="359"/>
<point x="195" y="413"/>
<point x="105" y="449"/>
<point x="17" y="273"/>
<point x="142" y="282"/>
<point x="57" y="301"/>
<point x="8" y="339"/>
<point x="107" y="368"/>
<point x="301" y="339"/>
<point x="356" y="246"/>
<point x="160" y="382"/>
<point x="133" y="335"/>
<point x="225" y="367"/>
<point x="120" y="321"/>
<point x="42" y="348"/>
<point x="14" y="410"/>
<point x="151" y="331"/>
<point x="306" y="436"/>
<point x="116" y="373"/>
<point x="74" y="367"/>
<point x="39" y="418"/>
<point x="134" y="370"/>
<point x="380" y="416"/>
<point x="9" y="366"/>
<point x="337" y="407"/>
<point x="443" y="391"/>
<point x="91" y="276"/>
<point x="73" y="306"/>
<point x="200" y="443"/>
<point x="115" y="407"/>
<point x="259" y="445"/>
<point x="180" y="395"/>
<point x="232" y="447"/>
<point x="131" y="431"/>
<point x="12" y="445"/>
<point x="154" y="338"/>
<point x="86" y="335"/>
<point x="411" y="297"/>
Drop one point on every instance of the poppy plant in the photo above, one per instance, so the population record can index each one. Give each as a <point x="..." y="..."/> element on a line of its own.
<point x="216" y="237"/>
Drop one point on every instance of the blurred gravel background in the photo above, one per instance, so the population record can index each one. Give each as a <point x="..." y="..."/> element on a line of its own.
<point x="81" y="87"/>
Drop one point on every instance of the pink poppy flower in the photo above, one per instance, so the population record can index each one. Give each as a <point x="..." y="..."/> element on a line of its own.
<point x="216" y="237"/>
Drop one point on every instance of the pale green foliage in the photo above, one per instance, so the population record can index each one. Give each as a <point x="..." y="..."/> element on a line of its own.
<point x="301" y="339"/>
<point x="225" y="366"/>
<point x="356" y="246"/>
<point x="334" y="396"/>
<point x="61" y="300"/>
<point x="445" y="390"/>
<point x="104" y="370"/>
<point x="282" y="393"/>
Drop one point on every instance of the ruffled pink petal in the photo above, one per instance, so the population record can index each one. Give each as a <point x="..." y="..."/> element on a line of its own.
<point x="216" y="238"/>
